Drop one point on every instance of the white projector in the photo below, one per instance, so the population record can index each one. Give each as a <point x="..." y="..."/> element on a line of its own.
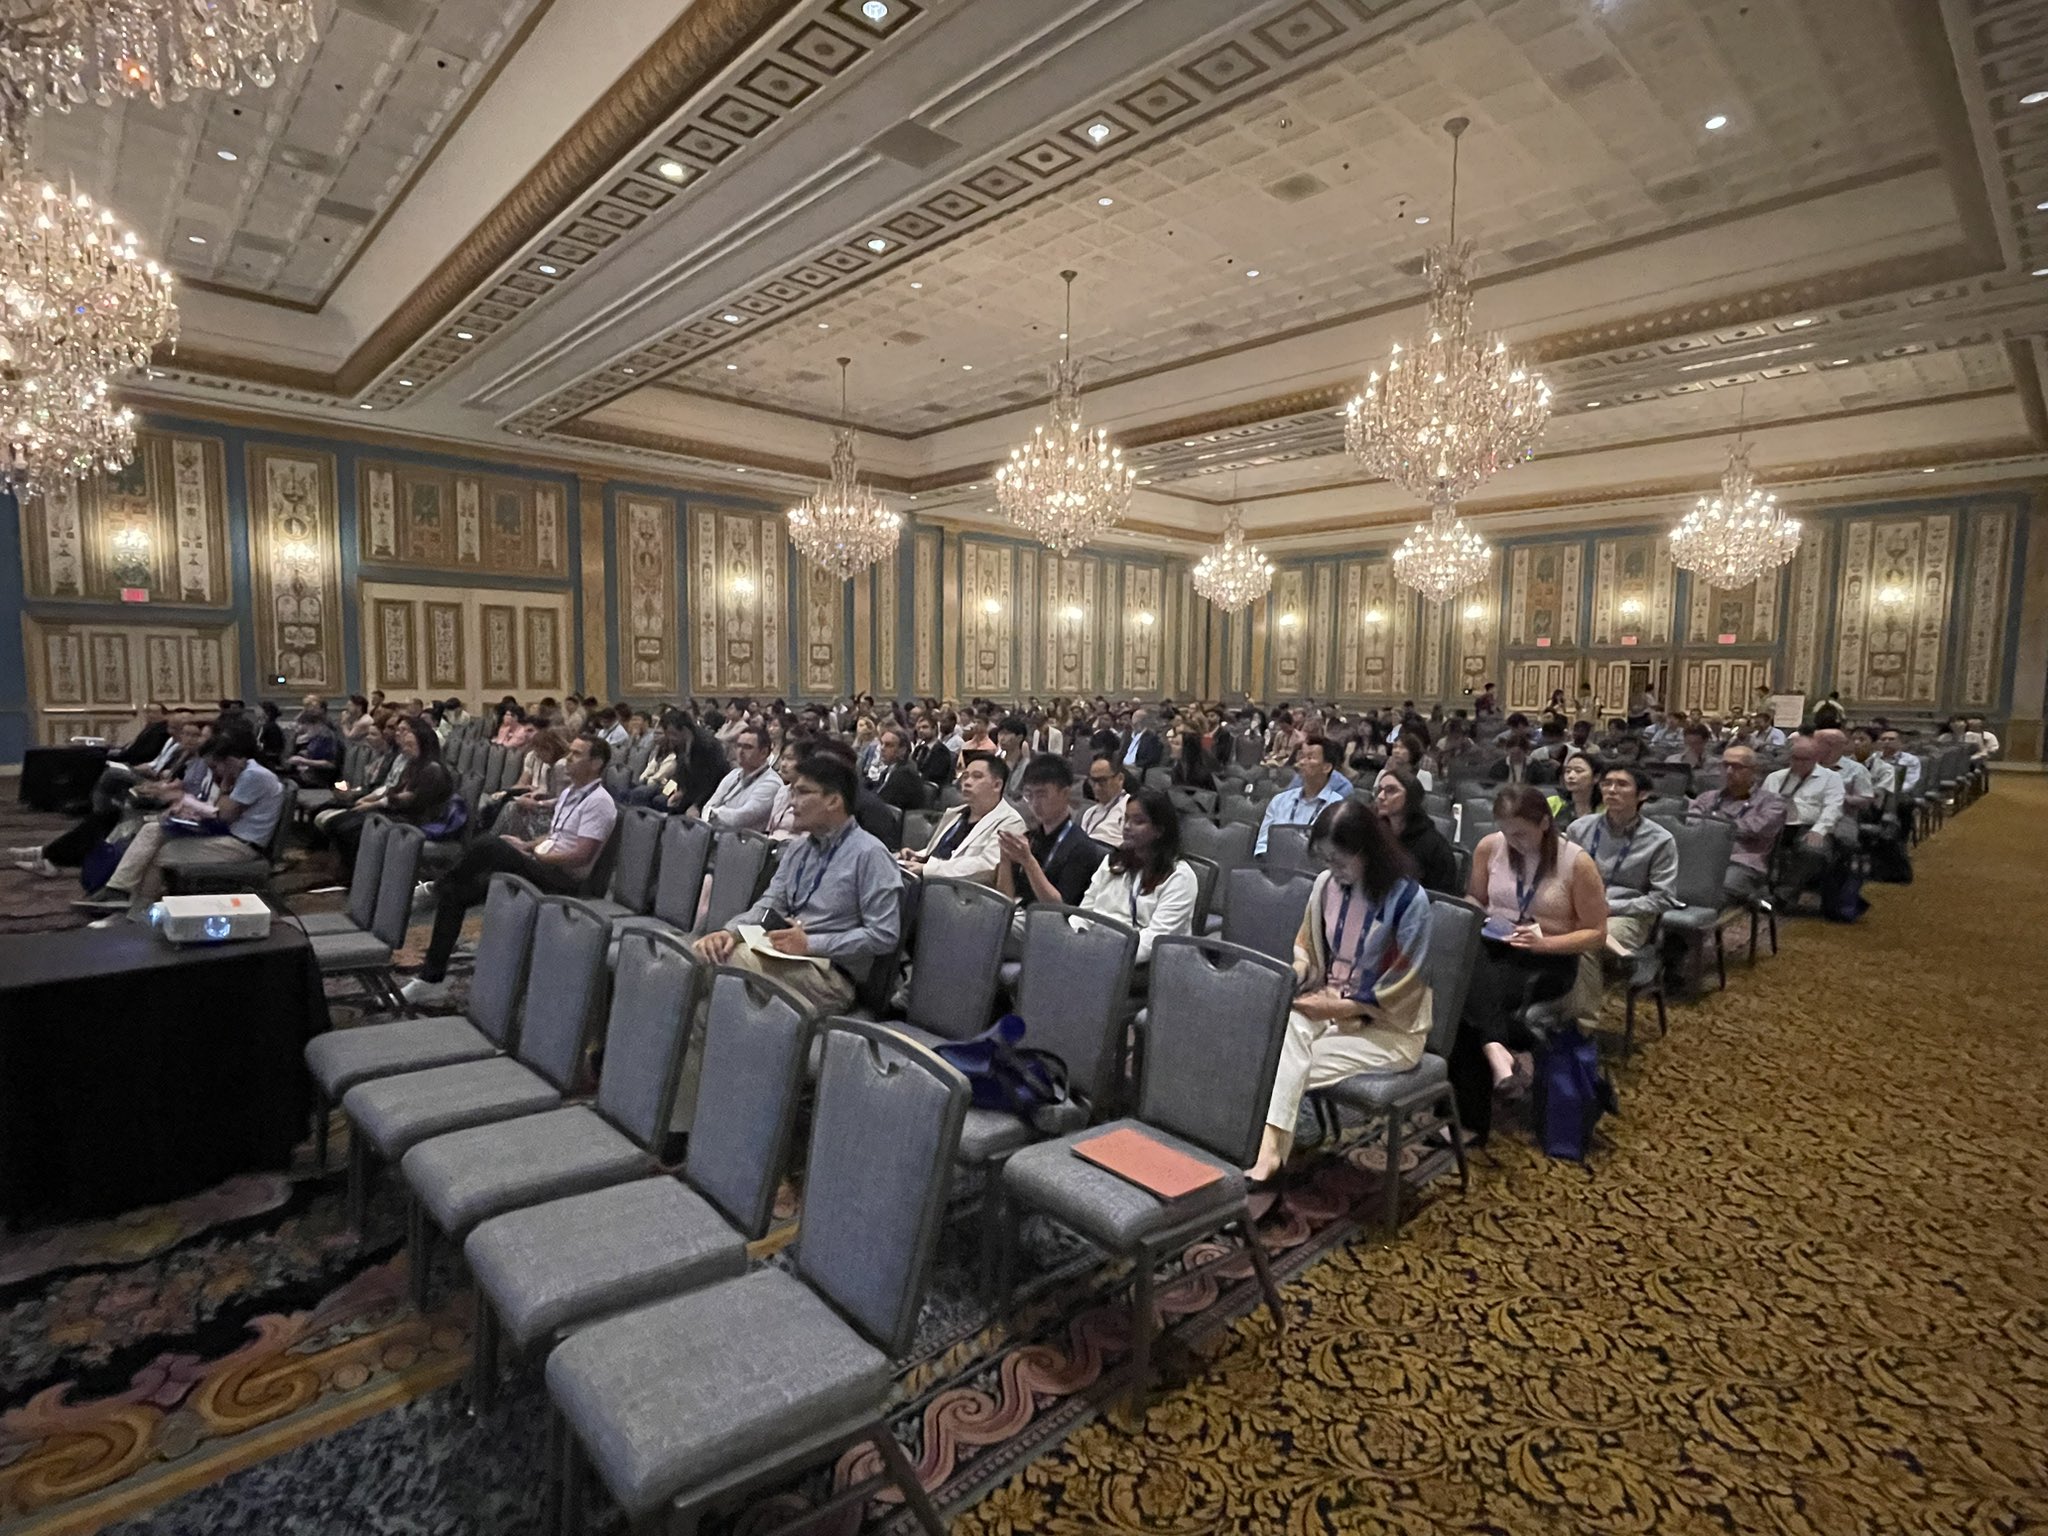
<point x="210" y="919"/>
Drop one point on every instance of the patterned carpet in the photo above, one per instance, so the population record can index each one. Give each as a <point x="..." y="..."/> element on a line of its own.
<point x="1805" y="1292"/>
<point x="1801" y="1289"/>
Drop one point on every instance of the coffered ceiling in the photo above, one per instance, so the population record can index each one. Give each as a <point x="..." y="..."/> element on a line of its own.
<point x="625" y="234"/>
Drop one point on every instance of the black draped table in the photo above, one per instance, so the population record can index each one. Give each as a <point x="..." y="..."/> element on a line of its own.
<point x="133" y="1071"/>
<point x="58" y="778"/>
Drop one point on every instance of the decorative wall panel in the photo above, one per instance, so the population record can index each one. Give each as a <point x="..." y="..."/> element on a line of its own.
<point x="1543" y="596"/>
<point x="395" y="665"/>
<point x="1322" y="607"/>
<point x="158" y="527"/>
<point x="442" y="649"/>
<point x="823" y="599"/>
<point x="1531" y="683"/>
<point x="87" y="679"/>
<point x="296" y="556"/>
<point x="924" y="621"/>
<point x="1026" y="611"/>
<point x="984" y="619"/>
<point x="646" y="600"/>
<point x="1809" y="585"/>
<point x="1070" y="624"/>
<point x="543" y="627"/>
<point x="1633" y="582"/>
<point x="443" y="519"/>
<point x="500" y="645"/>
<point x="1747" y="616"/>
<point x="1893" y="609"/>
<point x="886" y="579"/>
<point x="1141" y="639"/>
<point x="1986" y="613"/>
<point x="1287" y="610"/>
<point x="1475" y="630"/>
<point x="1719" y="686"/>
<point x="738" y="601"/>
<point x="470" y="643"/>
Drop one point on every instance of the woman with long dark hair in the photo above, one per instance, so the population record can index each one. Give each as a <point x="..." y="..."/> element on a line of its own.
<point x="420" y="796"/>
<point x="1361" y="1001"/>
<point x="1144" y="881"/>
<point x="1397" y="795"/>
<point x="1194" y="768"/>
<point x="1580" y="785"/>
<point x="1546" y="907"/>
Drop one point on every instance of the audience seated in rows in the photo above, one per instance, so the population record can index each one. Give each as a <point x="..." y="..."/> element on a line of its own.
<point x="126" y="789"/>
<point x="1055" y="861"/>
<point x="419" y="796"/>
<point x="1398" y="798"/>
<point x="966" y="843"/>
<point x="1637" y="858"/>
<point x="1145" y="882"/>
<point x="1109" y="795"/>
<point x="745" y="798"/>
<point x="1318" y="785"/>
<point x="1757" y="815"/>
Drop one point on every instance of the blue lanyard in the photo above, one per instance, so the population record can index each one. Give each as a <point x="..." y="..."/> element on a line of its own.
<point x="1607" y="876"/>
<point x="1364" y="932"/>
<point x="1524" y="894"/>
<point x="569" y="802"/>
<point x="824" y="863"/>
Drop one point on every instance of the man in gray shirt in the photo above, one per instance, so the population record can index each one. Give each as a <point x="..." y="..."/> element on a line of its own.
<point x="1637" y="858"/>
<point x="745" y="797"/>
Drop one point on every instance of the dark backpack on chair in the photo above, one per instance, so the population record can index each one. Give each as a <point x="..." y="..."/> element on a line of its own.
<point x="1009" y="1077"/>
<point x="1572" y="1093"/>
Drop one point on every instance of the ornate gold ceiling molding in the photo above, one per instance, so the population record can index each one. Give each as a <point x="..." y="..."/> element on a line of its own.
<point x="705" y="38"/>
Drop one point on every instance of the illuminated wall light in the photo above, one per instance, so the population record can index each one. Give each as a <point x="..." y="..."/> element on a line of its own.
<point x="1375" y="616"/>
<point x="1098" y="132"/>
<point x="742" y="586"/>
<point x="671" y="170"/>
<point x="1892" y="597"/>
<point x="1146" y="620"/>
<point x="991" y="607"/>
<point x="1631" y="608"/>
<point x="1474" y="612"/>
<point x="1288" y="620"/>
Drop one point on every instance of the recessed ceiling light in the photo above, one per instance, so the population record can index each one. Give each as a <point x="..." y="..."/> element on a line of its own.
<point x="366" y="406"/>
<point x="1097" y="132"/>
<point x="465" y="336"/>
<point x="672" y="169"/>
<point x="1802" y="322"/>
<point x="629" y="370"/>
<point x="1422" y="218"/>
<point x="1254" y="272"/>
<point x="2034" y="98"/>
<point x="1716" y="123"/>
<point x="732" y="367"/>
<point x="875" y="10"/>
<point x="2041" y="207"/>
<point x="1928" y="470"/>
<point x="1105" y="202"/>
<point x="917" y="285"/>
<point x="731" y="319"/>
<point x="2041" y="271"/>
<point x="1840" y="362"/>
<point x="742" y="471"/>
<point x="878" y="244"/>
<point x="967" y="367"/>
<point x="197" y="239"/>
<point x="405" y="383"/>
<point x="1063" y="335"/>
<point x="1592" y="405"/>
<point x="228" y="155"/>
<point x="824" y="325"/>
<point x="547" y="270"/>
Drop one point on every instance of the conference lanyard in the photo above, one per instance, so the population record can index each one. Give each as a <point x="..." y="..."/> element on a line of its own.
<point x="569" y="802"/>
<point x="824" y="862"/>
<point x="1364" y="932"/>
<point x="1609" y="876"/>
<point x="1524" y="894"/>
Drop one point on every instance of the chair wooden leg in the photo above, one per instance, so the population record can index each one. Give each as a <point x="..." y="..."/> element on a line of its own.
<point x="1263" y="1268"/>
<point x="905" y="1476"/>
<point x="1721" y="956"/>
<point x="1458" y="1143"/>
<point x="1390" y="1188"/>
<point x="419" y="1240"/>
<point x="358" y="1180"/>
<point x="1141" y="1338"/>
<point x="483" y="1360"/>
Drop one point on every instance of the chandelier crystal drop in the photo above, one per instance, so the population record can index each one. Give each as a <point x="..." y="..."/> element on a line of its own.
<point x="843" y="527"/>
<point x="1442" y="557"/>
<point x="1733" y="538"/>
<point x="1067" y="485"/>
<point x="63" y="53"/>
<point x="1234" y="574"/>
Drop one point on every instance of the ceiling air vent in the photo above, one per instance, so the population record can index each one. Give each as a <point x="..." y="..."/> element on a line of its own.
<point x="914" y="145"/>
<point x="343" y="213"/>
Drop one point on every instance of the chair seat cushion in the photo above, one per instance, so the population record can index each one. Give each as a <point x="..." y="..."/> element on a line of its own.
<point x="987" y="1134"/>
<point x="438" y="858"/>
<point x="549" y="1267"/>
<point x="311" y="800"/>
<point x="635" y="922"/>
<point x="341" y="1058"/>
<point x="611" y="911"/>
<point x="467" y="1175"/>
<point x="338" y="952"/>
<point x="317" y="923"/>
<point x="1107" y="1210"/>
<point x="1694" y="919"/>
<point x="675" y="1394"/>
<point x="397" y="1113"/>
<point x="1375" y="1092"/>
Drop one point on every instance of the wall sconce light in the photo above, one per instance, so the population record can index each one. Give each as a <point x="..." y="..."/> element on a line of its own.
<point x="1145" y="620"/>
<point x="131" y="546"/>
<point x="298" y="554"/>
<point x="1287" y="619"/>
<point x="1474" y="612"/>
<point x="742" y="586"/>
<point x="991" y="607"/>
<point x="1892" y="596"/>
<point x="1073" y="613"/>
<point x="1375" y="616"/>
<point x="1631" y="608"/>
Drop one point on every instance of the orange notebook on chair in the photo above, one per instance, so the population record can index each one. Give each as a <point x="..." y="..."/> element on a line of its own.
<point x="1155" y="1168"/>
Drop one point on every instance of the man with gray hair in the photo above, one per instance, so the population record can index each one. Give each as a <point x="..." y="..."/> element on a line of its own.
<point x="1757" y="815"/>
<point x="1144" y="749"/>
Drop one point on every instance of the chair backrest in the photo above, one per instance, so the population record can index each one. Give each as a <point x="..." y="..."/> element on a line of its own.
<point x="884" y="1135"/>
<point x="1265" y="909"/>
<point x="886" y="823"/>
<point x="1247" y="750"/>
<point x="1217" y="1015"/>
<point x="679" y="883"/>
<point x="513" y="764"/>
<point x="510" y="907"/>
<point x="281" y="831"/>
<point x="1474" y="827"/>
<point x="1207" y="877"/>
<point x="1447" y="825"/>
<point x="564" y="989"/>
<point x="960" y="931"/>
<point x="918" y="827"/>
<point x="399" y="868"/>
<point x="1705" y="849"/>
<point x="362" y="885"/>
<point x="1073" y="990"/>
<point x="739" y="873"/>
<point x="1664" y="805"/>
<point x="1453" y="956"/>
<point x="1158" y="778"/>
<point x="1287" y="847"/>
<point x="757" y="1038"/>
<point x="949" y="796"/>
<point x="654" y="997"/>
<point x="1227" y="845"/>
<point x="494" y="763"/>
<point x="1200" y="802"/>
<point x="639" y="840"/>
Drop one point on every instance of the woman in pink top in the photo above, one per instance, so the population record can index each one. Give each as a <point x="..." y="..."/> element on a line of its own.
<point x="1545" y="907"/>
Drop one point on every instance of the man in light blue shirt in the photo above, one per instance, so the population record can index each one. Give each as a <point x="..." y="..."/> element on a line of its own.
<point x="1301" y="803"/>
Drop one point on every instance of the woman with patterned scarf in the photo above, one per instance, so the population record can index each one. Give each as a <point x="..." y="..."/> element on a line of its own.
<point x="1361" y="1001"/>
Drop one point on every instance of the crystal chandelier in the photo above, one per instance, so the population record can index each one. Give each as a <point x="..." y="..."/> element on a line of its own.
<point x="843" y="526"/>
<point x="1450" y="412"/>
<point x="1233" y="574"/>
<point x="79" y="306"/>
<point x="1735" y="537"/>
<point x="63" y="53"/>
<point x="1067" y="486"/>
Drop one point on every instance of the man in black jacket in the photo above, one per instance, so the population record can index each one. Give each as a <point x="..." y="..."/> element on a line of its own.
<point x="1057" y="859"/>
<point x="1144" y="749"/>
<point x="892" y="777"/>
<point x="148" y="741"/>
<point x="932" y="757"/>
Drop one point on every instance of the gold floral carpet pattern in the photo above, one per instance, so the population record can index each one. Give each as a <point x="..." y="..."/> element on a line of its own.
<point x="1803" y="1289"/>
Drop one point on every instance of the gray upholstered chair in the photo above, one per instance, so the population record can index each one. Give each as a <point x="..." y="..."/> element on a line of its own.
<point x="740" y="867"/>
<point x="1265" y="908"/>
<point x="638" y="839"/>
<point x="1218" y="1017"/>
<point x="918" y="827"/>
<point x="1227" y="845"/>
<point x="1287" y="848"/>
<point x="546" y="1269"/>
<point x="961" y="927"/>
<point x="359" y="913"/>
<point x="388" y="1116"/>
<point x="1705" y="850"/>
<point x="1392" y="1100"/>
<point x="1473" y="828"/>
<point x="250" y="873"/>
<point x="1192" y="802"/>
<point x="509" y="768"/>
<point x="1239" y="810"/>
<point x="1207" y="879"/>
<point x="366" y="955"/>
<point x="679" y="879"/>
<point x="467" y="1176"/>
<point x="691" y="1401"/>
<point x="342" y="1058"/>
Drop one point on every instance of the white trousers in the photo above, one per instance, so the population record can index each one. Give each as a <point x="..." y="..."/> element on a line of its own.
<point x="1316" y="1053"/>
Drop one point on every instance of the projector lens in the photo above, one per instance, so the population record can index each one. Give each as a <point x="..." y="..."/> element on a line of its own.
<point x="216" y="927"/>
